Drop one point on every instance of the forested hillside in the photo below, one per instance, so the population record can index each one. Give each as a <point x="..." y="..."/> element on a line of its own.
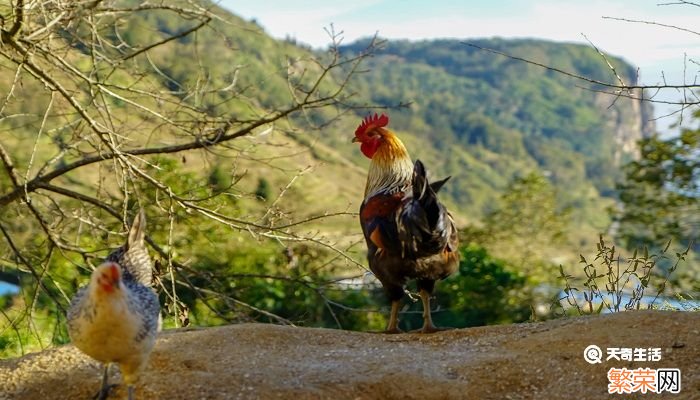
<point x="238" y="147"/>
<point x="491" y="117"/>
<point x="481" y="118"/>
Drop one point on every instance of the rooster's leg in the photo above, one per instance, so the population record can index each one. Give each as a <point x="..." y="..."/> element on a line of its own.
<point x="428" y="326"/>
<point x="393" y="326"/>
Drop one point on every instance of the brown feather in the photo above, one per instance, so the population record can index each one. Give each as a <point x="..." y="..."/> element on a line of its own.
<point x="407" y="237"/>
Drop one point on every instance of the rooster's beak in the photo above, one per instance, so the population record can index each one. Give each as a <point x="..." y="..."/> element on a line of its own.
<point x="355" y="139"/>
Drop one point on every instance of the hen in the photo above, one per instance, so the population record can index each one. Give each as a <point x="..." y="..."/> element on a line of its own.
<point x="409" y="233"/>
<point x="116" y="316"/>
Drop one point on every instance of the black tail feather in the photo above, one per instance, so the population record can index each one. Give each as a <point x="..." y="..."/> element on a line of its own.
<point x="426" y="195"/>
<point x="420" y="180"/>
<point x="422" y="221"/>
<point x="437" y="185"/>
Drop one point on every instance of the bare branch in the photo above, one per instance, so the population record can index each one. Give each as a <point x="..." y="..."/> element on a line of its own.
<point x="653" y="23"/>
<point x="605" y="58"/>
<point x="680" y="2"/>
<point x="166" y="40"/>
<point x="19" y="21"/>
<point x="28" y="265"/>
<point x="584" y="78"/>
<point x="100" y="112"/>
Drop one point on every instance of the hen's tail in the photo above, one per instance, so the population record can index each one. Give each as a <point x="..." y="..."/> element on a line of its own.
<point x="423" y="224"/>
<point x="133" y="256"/>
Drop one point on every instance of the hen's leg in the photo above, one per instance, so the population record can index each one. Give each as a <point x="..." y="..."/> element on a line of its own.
<point x="103" y="394"/>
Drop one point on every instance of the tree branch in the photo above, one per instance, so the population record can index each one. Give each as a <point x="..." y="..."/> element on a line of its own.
<point x="580" y="77"/>
<point x="653" y="23"/>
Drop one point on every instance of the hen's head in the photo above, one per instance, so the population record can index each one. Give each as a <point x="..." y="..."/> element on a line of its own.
<point x="107" y="277"/>
<point x="371" y="133"/>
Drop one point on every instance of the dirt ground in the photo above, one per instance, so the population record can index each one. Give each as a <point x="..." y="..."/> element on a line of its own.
<point x="257" y="361"/>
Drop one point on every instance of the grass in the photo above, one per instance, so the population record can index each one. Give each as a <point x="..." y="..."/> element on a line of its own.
<point x="614" y="283"/>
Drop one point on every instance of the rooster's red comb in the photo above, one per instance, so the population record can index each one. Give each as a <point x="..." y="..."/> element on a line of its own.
<point x="371" y="122"/>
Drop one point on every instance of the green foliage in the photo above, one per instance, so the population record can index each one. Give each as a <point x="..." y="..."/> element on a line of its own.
<point x="528" y="228"/>
<point x="288" y="284"/>
<point x="661" y="194"/>
<point x="219" y="180"/>
<point x="480" y="130"/>
<point x="356" y="309"/>
<point x="525" y="224"/>
<point x="41" y="328"/>
<point x="485" y="291"/>
<point x="263" y="191"/>
<point x="527" y="208"/>
<point x="464" y="96"/>
<point x="481" y="118"/>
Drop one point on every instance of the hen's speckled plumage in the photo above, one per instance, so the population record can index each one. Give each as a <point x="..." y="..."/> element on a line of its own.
<point x="133" y="256"/>
<point x="116" y="317"/>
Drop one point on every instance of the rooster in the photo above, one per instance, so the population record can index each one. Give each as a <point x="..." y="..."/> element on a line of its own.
<point x="409" y="233"/>
<point x="116" y="316"/>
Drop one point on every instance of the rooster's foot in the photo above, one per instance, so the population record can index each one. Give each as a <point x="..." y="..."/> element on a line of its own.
<point x="430" y="329"/>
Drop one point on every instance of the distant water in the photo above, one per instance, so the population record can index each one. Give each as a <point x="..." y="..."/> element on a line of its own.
<point x="646" y="302"/>
<point x="8" y="288"/>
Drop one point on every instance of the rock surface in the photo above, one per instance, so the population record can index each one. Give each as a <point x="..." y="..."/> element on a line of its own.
<point x="259" y="361"/>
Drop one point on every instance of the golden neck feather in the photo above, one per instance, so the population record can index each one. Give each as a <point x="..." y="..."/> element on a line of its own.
<point x="391" y="167"/>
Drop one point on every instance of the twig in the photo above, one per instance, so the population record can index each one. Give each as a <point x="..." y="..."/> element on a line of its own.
<point x="580" y="77"/>
<point x="653" y="23"/>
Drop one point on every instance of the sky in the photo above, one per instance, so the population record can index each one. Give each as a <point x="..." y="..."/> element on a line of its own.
<point x="658" y="51"/>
